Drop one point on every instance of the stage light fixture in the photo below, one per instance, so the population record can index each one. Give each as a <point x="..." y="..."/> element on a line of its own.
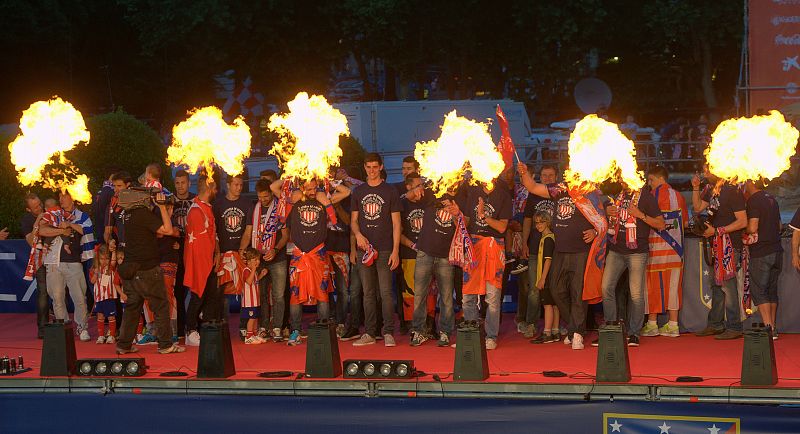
<point x="378" y="368"/>
<point x="112" y="367"/>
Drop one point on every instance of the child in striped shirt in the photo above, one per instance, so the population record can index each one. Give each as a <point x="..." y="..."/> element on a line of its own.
<point x="107" y="288"/>
<point x="251" y="297"/>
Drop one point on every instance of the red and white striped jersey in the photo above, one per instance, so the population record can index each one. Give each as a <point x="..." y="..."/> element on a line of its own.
<point x="105" y="285"/>
<point x="250" y="293"/>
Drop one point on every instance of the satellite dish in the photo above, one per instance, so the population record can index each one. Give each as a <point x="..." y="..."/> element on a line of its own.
<point x="592" y="95"/>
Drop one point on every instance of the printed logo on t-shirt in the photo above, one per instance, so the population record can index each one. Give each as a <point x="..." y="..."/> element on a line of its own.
<point x="233" y="218"/>
<point x="444" y="218"/>
<point x="309" y="215"/>
<point x="179" y="216"/>
<point x="488" y="210"/>
<point x="565" y="209"/>
<point x="546" y="206"/>
<point x="371" y="205"/>
<point x="415" y="220"/>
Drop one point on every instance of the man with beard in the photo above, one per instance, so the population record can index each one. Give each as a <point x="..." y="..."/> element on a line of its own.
<point x="36" y="270"/>
<point x="727" y="218"/>
<point x="183" y="201"/>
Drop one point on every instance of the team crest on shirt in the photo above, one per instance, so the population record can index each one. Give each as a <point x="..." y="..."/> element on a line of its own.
<point x="546" y="206"/>
<point x="565" y="209"/>
<point x="444" y="218"/>
<point x="371" y="205"/>
<point x="233" y="219"/>
<point x="488" y="211"/>
<point x="309" y="215"/>
<point x="179" y="216"/>
<point x="415" y="220"/>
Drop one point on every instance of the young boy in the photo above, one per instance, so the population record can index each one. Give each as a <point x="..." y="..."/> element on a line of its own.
<point x="107" y="287"/>
<point x="547" y="245"/>
<point x="251" y="296"/>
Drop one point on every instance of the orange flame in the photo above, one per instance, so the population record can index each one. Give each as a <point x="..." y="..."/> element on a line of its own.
<point x="752" y="148"/>
<point x="48" y="129"/>
<point x="598" y="152"/>
<point x="205" y="139"/>
<point x="463" y="145"/>
<point x="308" y="137"/>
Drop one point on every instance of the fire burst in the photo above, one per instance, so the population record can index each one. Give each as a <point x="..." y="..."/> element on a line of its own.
<point x="48" y="129"/>
<point x="752" y="148"/>
<point x="308" y="137"/>
<point x="205" y="139"/>
<point x="598" y="152"/>
<point x="463" y="145"/>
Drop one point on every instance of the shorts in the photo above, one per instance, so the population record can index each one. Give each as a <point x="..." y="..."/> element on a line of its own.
<point x="107" y="307"/>
<point x="547" y="296"/>
<point x="251" y="312"/>
<point x="764" y="273"/>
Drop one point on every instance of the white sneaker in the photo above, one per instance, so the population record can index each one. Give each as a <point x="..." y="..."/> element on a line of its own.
<point x="253" y="340"/>
<point x="388" y="340"/>
<point x="577" y="342"/>
<point x="85" y="335"/>
<point x="521" y="327"/>
<point x="101" y="340"/>
<point x="567" y="341"/>
<point x="193" y="340"/>
<point x="491" y="344"/>
<point x="365" y="339"/>
<point x="110" y="339"/>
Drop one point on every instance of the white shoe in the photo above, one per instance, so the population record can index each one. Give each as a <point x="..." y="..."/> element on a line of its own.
<point x="577" y="341"/>
<point x="365" y="339"/>
<point x="101" y="340"/>
<point x="388" y="340"/>
<point x="193" y="340"/>
<point x="491" y="344"/>
<point x="253" y="340"/>
<point x="84" y="336"/>
<point x="567" y="341"/>
<point x="110" y="339"/>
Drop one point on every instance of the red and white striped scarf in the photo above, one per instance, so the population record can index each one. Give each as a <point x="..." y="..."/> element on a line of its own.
<point x="626" y="219"/>
<point x="265" y="230"/>
<point x="462" y="253"/>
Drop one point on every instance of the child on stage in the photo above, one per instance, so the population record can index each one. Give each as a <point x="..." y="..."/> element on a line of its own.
<point x="547" y="245"/>
<point x="251" y="297"/>
<point x="107" y="288"/>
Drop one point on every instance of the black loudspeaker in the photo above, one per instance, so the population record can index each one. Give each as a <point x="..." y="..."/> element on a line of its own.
<point x="322" y="352"/>
<point x="471" y="363"/>
<point x="613" y="365"/>
<point x="758" y="358"/>
<point x="215" y="359"/>
<point x="58" y="350"/>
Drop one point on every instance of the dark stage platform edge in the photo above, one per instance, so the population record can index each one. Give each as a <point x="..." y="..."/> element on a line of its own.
<point x="516" y="371"/>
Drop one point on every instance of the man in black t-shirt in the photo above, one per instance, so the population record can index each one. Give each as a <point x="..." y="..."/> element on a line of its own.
<point x="116" y="217"/>
<point x="727" y="219"/>
<point x="530" y="250"/>
<point x="183" y="201"/>
<point x="630" y="217"/>
<point x="375" y="217"/>
<point x="30" y="229"/>
<point x="143" y="280"/>
<point x="766" y="254"/>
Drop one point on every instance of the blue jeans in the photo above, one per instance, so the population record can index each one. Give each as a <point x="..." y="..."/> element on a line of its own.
<point x="340" y="308"/>
<point x="296" y="314"/>
<point x="764" y="273"/>
<point x="277" y="277"/>
<point x="428" y="266"/>
<point x="533" y="312"/>
<point x="492" y="314"/>
<point x="725" y="303"/>
<point x="616" y="264"/>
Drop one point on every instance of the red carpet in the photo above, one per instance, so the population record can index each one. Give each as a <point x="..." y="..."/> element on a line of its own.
<point x="658" y="360"/>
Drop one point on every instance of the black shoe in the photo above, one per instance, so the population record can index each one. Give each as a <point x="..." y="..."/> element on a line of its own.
<point x="519" y="268"/>
<point x="633" y="341"/>
<point x="350" y="334"/>
<point x="543" y="338"/>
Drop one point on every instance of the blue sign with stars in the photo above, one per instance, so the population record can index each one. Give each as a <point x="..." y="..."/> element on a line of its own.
<point x="668" y="424"/>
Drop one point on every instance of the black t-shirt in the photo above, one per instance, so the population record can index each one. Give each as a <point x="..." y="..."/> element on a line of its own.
<point x="375" y="206"/>
<point x="339" y="240"/>
<point x="141" y="244"/>
<point x="180" y="211"/>
<point x="412" y="218"/>
<point x="497" y="205"/>
<point x="795" y="223"/>
<point x="548" y="249"/>
<point x="649" y="206"/>
<point x="118" y="219"/>
<point x="167" y="251"/>
<point x="533" y="205"/>
<point x="569" y="224"/>
<point x="721" y="210"/>
<point x="232" y="217"/>
<point x="400" y="187"/>
<point x="308" y="224"/>
<point x="26" y="223"/>
<point x="438" y="228"/>
<point x="764" y="207"/>
<point x="100" y="208"/>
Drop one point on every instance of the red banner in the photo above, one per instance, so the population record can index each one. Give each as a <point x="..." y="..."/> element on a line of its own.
<point x="774" y="46"/>
<point x="506" y="145"/>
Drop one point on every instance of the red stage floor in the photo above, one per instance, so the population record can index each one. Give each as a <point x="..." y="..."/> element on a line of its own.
<point x="657" y="361"/>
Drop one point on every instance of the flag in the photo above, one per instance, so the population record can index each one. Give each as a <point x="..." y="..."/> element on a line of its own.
<point x="198" y="255"/>
<point x="243" y="101"/>
<point x="505" y="146"/>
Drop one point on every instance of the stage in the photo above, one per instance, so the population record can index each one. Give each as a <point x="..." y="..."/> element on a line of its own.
<point x="516" y="368"/>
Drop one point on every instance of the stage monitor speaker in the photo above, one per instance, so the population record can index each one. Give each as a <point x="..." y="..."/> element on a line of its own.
<point x="471" y="363"/>
<point x="119" y="367"/>
<point x="58" y="350"/>
<point x="215" y="359"/>
<point x="322" y="351"/>
<point x="758" y="357"/>
<point x="613" y="365"/>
